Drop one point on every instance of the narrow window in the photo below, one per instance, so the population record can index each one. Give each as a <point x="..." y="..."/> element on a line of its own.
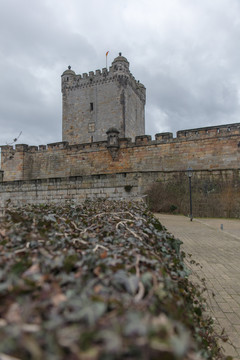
<point x="91" y="106"/>
<point x="91" y="127"/>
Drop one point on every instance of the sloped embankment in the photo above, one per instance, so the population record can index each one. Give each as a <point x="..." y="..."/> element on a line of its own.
<point x="102" y="280"/>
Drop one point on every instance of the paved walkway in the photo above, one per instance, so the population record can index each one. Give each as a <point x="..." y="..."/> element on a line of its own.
<point x="218" y="252"/>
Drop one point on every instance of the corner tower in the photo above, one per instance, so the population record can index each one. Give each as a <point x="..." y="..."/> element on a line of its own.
<point x="92" y="103"/>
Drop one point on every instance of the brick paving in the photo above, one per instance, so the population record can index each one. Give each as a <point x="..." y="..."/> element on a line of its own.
<point x="218" y="252"/>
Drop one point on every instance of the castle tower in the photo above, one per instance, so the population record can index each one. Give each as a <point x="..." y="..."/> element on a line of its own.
<point x="94" y="102"/>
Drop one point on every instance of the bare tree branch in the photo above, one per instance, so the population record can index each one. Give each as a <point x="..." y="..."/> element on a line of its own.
<point x="15" y="139"/>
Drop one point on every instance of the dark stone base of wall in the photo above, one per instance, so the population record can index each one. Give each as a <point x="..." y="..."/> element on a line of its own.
<point x="215" y="193"/>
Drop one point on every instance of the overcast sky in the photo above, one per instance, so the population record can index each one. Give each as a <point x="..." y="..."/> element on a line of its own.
<point x="186" y="53"/>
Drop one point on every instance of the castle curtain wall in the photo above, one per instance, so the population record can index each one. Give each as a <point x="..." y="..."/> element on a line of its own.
<point x="221" y="190"/>
<point x="215" y="148"/>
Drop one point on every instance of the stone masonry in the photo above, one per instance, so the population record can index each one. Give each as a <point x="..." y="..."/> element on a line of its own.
<point x="212" y="148"/>
<point x="104" y="152"/>
<point x="125" y="185"/>
<point x="94" y="102"/>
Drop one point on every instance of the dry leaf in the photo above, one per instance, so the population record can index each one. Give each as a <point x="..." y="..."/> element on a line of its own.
<point x="34" y="269"/>
<point x="97" y="271"/>
<point x="103" y="255"/>
<point x="58" y="299"/>
<point x="14" y="314"/>
<point x="7" y="357"/>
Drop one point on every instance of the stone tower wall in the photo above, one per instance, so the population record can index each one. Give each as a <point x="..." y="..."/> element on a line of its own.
<point x="95" y="102"/>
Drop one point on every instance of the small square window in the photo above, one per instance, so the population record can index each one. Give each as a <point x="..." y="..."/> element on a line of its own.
<point x="91" y="127"/>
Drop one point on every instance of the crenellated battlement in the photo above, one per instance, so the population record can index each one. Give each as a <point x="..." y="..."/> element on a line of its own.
<point x="215" y="147"/>
<point x="204" y="133"/>
<point x="209" y="131"/>
<point x="117" y="72"/>
<point x="102" y="77"/>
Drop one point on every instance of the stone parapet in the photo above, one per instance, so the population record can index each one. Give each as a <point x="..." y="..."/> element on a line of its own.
<point x="201" y="149"/>
<point x="220" y="130"/>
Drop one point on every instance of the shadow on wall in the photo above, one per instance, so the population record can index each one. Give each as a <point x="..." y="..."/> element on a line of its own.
<point x="210" y="198"/>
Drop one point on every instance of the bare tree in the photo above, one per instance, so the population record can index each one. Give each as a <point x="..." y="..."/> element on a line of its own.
<point x="15" y="139"/>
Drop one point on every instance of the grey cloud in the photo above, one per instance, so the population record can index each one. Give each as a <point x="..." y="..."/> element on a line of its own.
<point x="186" y="55"/>
<point x="31" y="44"/>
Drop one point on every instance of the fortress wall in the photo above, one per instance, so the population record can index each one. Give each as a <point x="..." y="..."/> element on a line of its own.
<point x="76" y="189"/>
<point x="207" y="151"/>
<point x="115" y="186"/>
<point x="12" y="161"/>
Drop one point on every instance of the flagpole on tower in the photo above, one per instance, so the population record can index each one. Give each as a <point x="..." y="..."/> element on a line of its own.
<point x="106" y="57"/>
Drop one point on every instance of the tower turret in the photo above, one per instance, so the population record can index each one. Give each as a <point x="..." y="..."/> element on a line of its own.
<point x="67" y="77"/>
<point x="120" y="63"/>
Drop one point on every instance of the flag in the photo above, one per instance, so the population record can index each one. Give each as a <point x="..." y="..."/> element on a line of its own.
<point x="107" y="53"/>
